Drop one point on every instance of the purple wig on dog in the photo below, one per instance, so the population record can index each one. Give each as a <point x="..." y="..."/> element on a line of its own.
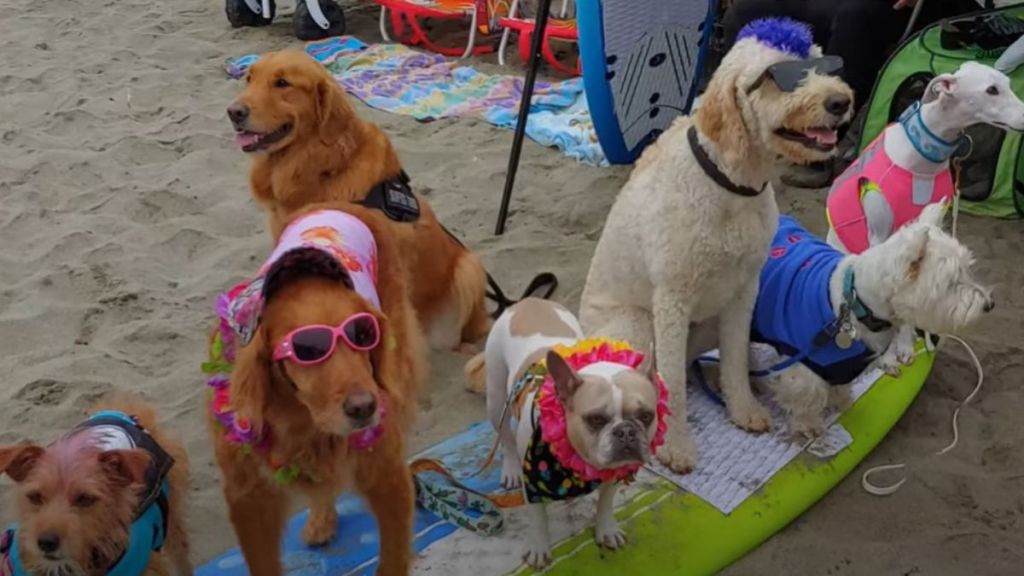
<point x="783" y="34"/>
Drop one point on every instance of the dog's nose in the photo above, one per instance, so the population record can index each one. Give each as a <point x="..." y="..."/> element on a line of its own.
<point x="837" y="104"/>
<point x="48" y="542"/>
<point x="238" y="112"/>
<point x="625" y="434"/>
<point x="990" y="305"/>
<point x="360" y="406"/>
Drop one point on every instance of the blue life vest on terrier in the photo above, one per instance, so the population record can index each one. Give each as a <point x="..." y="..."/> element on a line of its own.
<point x="794" y="308"/>
<point x="148" y="532"/>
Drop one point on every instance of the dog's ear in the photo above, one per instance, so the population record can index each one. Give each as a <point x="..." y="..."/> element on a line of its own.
<point x="384" y="354"/>
<point x="914" y="252"/>
<point x="125" y="467"/>
<point x="250" y="379"/>
<point x="18" y="461"/>
<point x="720" y="118"/>
<point x="332" y="110"/>
<point x="941" y="85"/>
<point x="567" y="381"/>
<point x="648" y="367"/>
<point x="934" y="214"/>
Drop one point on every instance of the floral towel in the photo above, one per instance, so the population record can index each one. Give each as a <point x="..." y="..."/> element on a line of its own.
<point x="398" y="79"/>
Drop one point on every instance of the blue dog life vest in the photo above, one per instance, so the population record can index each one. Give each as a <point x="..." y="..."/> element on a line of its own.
<point x="118" y="431"/>
<point x="794" y="311"/>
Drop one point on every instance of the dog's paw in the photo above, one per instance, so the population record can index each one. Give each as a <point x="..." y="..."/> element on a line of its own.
<point x="320" y="527"/>
<point x="467" y="348"/>
<point x="679" y="454"/>
<point x="752" y="417"/>
<point x="840" y="398"/>
<point x="808" y="428"/>
<point x="890" y="364"/>
<point x="608" y="535"/>
<point x="904" y="352"/>
<point x="537" y="556"/>
<point x="511" y="475"/>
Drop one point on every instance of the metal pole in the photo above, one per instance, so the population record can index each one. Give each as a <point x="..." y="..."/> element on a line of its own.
<point x="913" y="21"/>
<point x="541" y="24"/>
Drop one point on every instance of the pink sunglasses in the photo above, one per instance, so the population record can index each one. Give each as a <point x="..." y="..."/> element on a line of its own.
<point x="315" y="343"/>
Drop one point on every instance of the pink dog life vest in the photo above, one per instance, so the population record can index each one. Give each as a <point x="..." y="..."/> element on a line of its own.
<point x="874" y="168"/>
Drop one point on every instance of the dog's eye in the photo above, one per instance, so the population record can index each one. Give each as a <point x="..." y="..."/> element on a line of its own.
<point x="248" y="78"/>
<point x="35" y="498"/>
<point x="645" y="418"/>
<point x="84" y="501"/>
<point x="596" y="421"/>
<point x="281" y="83"/>
<point x="992" y="91"/>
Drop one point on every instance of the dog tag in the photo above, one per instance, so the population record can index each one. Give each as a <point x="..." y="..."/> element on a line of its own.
<point x="844" y="339"/>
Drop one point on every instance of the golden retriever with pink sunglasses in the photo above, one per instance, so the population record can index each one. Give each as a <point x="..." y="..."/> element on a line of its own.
<point x="326" y="357"/>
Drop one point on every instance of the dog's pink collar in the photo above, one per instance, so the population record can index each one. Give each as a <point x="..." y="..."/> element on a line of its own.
<point x="552" y="413"/>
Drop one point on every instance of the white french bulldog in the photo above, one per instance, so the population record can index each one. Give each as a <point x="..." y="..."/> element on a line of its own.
<point x="610" y="411"/>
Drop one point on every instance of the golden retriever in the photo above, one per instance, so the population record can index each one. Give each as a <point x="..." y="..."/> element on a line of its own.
<point x="309" y="146"/>
<point x="308" y="410"/>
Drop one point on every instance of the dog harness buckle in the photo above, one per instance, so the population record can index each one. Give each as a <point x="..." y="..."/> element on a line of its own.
<point x="394" y="198"/>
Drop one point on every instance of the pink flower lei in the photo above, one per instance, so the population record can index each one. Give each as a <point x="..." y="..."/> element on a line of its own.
<point x="552" y="412"/>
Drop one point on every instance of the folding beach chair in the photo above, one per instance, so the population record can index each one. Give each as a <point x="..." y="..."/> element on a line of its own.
<point x="404" y="17"/>
<point x="562" y="28"/>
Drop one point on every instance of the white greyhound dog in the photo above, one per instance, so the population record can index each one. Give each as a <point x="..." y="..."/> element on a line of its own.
<point x="907" y="167"/>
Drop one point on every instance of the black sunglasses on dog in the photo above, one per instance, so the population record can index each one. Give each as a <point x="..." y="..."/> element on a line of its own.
<point x="788" y="75"/>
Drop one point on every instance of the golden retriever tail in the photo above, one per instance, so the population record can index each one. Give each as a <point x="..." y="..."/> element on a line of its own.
<point x="476" y="374"/>
<point x="469" y="288"/>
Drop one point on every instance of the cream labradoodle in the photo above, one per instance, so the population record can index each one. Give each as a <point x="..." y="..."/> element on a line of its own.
<point x="689" y="233"/>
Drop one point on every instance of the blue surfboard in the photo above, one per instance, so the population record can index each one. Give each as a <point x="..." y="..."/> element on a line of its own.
<point x="642" y="63"/>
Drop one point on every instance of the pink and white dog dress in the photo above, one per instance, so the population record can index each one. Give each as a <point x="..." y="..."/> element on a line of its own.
<point x="874" y="193"/>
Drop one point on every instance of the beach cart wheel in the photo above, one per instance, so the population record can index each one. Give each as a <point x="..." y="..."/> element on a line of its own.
<point x="318" y="19"/>
<point x="249" y="12"/>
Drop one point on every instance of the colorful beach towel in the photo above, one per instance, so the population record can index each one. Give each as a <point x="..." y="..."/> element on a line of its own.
<point x="426" y="86"/>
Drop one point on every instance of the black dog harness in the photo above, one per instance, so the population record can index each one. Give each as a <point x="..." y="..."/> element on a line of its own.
<point x="395" y="198"/>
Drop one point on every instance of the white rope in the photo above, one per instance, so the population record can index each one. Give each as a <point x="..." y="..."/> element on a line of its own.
<point x="956" y="210"/>
<point x="877" y="490"/>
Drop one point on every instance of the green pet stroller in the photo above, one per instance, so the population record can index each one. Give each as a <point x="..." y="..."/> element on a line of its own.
<point x="989" y="165"/>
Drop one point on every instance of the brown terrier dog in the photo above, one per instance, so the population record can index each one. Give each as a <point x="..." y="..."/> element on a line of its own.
<point x="310" y="147"/>
<point x="328" y="357"/>
<point x="109" y="494"/>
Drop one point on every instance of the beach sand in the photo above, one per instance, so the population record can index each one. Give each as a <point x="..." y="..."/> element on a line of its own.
<point x="125" y="209"/>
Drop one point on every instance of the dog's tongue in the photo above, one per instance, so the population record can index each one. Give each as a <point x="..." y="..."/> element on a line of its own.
<point x="246" y="139"/>
<point x="823" y="135"/>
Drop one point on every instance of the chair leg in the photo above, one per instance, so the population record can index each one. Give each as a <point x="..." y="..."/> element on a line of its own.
<point x="399" y="23"/>
<point x="549" y="55"/>
<point x="384" y="34"/>
<point x="503" y="45"/>
<point x="472" y="33"/>
<point x="507" y="32"/>
<point x="525" y="42"/>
